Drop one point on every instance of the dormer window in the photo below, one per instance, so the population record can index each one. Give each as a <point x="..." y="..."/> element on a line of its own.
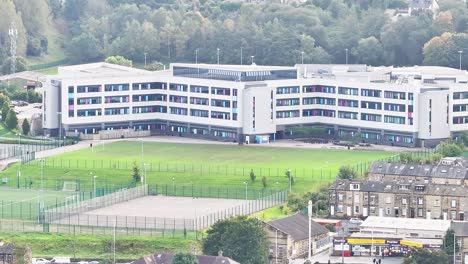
<point x="354" y="187"/>
<point x="419" y="188"/>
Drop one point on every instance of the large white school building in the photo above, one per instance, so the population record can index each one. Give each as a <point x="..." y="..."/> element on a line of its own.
<point x="409" y="106"/>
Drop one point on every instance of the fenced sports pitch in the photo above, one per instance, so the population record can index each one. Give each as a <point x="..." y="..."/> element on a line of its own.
<point x="134" y="209"/>
<point x="25" y="203"/>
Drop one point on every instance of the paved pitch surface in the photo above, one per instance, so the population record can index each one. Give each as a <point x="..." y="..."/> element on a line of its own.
<point x="168" y="207"/>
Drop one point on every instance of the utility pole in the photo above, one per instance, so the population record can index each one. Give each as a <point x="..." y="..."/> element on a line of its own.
<point x="145" y="58"/>
<point x="241" y="54"/>
<point x="346" y="50"/>
<point x="460" y="53"/>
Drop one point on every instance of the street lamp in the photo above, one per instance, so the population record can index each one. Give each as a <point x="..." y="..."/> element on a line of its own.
<point x="290" y="181"/>
<point x="145" y="58"/>
<point x="241" y="54"/>
<point x="196" y="56"/>
<point x="143" y="180"/>
<point x="217" y="51"/>
<point x="302" y="57"/>
<point x="173" y="185"/>
<point x="309" y="211"/>
<point x="20" y="159"/>
<point x="245" y="183"/>
<point x="346" y="50"/>
<point x="60" y="127"/>
<point x="94" y="186"/>
<point x="460" y="53"/>
<point x="142" y="157"/>
<point x="41" y="202"/>
<point x="252" y="59"/>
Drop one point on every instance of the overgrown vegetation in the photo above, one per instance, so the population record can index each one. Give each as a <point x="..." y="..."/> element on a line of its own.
<point x="95" y="246"/>
<point x="275" y="33"/>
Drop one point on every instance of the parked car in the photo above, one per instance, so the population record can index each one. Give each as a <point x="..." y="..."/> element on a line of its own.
<point x="40" y="261"/>
<point x="61" y="260"/>
<point x="355" y="221"/>
<point x="94" y="262"/>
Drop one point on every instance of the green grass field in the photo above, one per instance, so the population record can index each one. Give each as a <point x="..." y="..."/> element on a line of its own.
<point x="197" y="164"/>
<point x="96" y="246"/>
<point x="24" y="203"/>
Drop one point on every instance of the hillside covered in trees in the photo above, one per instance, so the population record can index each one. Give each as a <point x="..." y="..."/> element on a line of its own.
<point x="275" y="33"/>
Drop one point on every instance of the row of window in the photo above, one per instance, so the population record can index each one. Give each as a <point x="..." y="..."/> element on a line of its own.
<point x="151" y="86"/>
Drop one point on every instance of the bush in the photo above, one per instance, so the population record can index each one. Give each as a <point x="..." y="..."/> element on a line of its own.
<point x="252" y="175"/>
<point x="11" y="120"/>
<point x="25" y="127"/>
<point x="264" y="181"/>
<point x="346" y="173"/>
<point x="450" y="150"/>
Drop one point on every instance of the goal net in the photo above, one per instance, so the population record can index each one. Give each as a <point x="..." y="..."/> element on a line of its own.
<point x="72" y="199"/>
<point x="70" y="186"/>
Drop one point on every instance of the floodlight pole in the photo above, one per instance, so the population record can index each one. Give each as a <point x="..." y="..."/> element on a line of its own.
<point x="245" y="183"/>
<point x="290" y="181"/>
<point x="41" y="205"/>
<point x="142" y="158"/>
<point x="94" y="185"/>
<point x="309" y="211"/>
<point x="20" y="150"/>
<point x="460" y="53"/>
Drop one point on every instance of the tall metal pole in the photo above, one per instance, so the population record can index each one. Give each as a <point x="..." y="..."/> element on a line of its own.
<point x="346" y="50"/>
<point x="145" y="58"/>
<point x="20" y="159"/>
<point x="245" y="183"/>
<point x="94" y="186"/>
<point x="342" y="246"/>
<point x="454" y="248"/>
<point x="290" y="182"/>
<point x="252" y="59"/>
<point x="302" y="57"/>
<point x="309" y="211"/>
<point x="218" y="54"/>
<point x="142" y="160"/>
<point x="115" y="226"/>
<point x="460" y="53"/>
<point x="173" y="185"/>
<point x="41" y="205"/>
<point x="60" y="127"/>
<point x="276" y="246"/>
<point x="241" y="54"/>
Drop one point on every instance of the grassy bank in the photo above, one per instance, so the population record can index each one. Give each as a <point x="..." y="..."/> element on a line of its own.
<point x="96" y="247"/>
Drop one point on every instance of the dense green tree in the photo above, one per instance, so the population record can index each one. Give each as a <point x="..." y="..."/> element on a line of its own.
<point x="119" y="60"/>
<point x="242" y="239"/>
<point x="26" y="127"/>
<point x="84" y="48"/>
<point x="11" y="120"/>
<point x="5" y="110"/>
<point x="425" y="256"/>
<point x="369" y="51"/>
<point x="184" y="258"/>
<point x="136" y="176"/>
<point x="450" y="150"/>
<point x="21" y="65"/>
<point x="443" y="50"/>
<point x="74" y="9"/>
<point x="346" y="172"/>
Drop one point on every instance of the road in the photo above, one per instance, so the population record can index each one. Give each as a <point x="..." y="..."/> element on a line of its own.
<point x="324" y="257"/>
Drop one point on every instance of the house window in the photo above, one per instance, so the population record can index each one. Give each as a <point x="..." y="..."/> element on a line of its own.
<point x="404" y="201"/>
<point x="413" y="234"/>
<point x="420" y="201"/>
<point x="387" y="211"/>
<point x="340" y="208"/>
<point x="372" y="210"/>
<point x="372" y="199"/>
<point x="354" y="186"/>
<point x="366" y="198"/>
<point x="340" y="197"/>
<point x="388" y="200"/>
<point x="436" y="203"/>
<point x="356" y="209"/>
<point x="403" y="211"/>
<point x="420" y="212"/>
<point x="454" y="203"/>
<point x="356" y="198"/>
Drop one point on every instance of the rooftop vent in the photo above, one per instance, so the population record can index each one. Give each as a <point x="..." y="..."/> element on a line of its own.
<point x="443" y="171"/>
<point x="411" y="168"/>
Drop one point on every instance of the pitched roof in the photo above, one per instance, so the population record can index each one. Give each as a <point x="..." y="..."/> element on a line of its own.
<point x="297" y="226"/>
<point x="166" y="258"/>
<point x="413" y="169"/>
<point x="460" y="228"/>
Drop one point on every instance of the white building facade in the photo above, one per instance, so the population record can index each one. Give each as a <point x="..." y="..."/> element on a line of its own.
<point x="396" y="106"/>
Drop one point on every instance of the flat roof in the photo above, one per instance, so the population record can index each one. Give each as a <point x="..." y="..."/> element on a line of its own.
<point x="100" y="69"/>
<point x="406" y="223"/>
<point x="227" y="67"/>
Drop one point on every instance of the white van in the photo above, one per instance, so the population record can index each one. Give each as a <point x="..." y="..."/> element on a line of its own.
<point x="60" y="260"/>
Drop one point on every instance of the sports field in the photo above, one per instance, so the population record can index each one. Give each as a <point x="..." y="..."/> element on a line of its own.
<point x="197" y="164"/>
<point x="24" y="203"/>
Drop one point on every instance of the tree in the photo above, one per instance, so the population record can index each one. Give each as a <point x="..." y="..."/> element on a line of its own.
<point x="424" y="256"/>
<point x="84" y="48"/>
<point x="346" y="172"/>
<point x="184" y="258"/>
<point x="21" y="65"/>
<point x="155" y="66"/>
<point x="369" y="51"/>
<point x="443" y="50"/>
<point x="11" y="120"/>
<point x="136" y="173"/>
<point x="264" y="181"/>
<point x="4" y="98"/>
<point x="25" y="127"/>
<point x="252" y="175"/>
<point x="448" y="242"/>
<point x="119" y="60"/>
<point x="242" y="239"/>
<point x="450" y="150"/>
<point x="5" y="110"/>
<point x="406" y="157"/>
